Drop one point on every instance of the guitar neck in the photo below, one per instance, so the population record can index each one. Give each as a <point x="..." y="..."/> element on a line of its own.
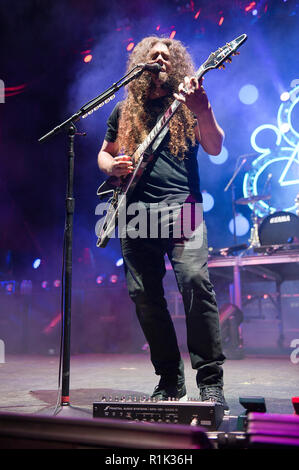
<point x="163" y="121"/>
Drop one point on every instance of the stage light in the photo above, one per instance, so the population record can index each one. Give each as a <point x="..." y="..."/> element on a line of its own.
<point x="130" y="46"/>
<point x="208" y="201"/>
<point x="119" y="262"/>
<point x="254" y="12"/>
<point x="197" y="14"/>
<point x="52" y="324"/>
<point x="250" y="6"/>
<point x="242" y="225"/>
<point x="56" y="283"/>
<point x="248" y="94"/>
<point x="10" y="287"/>
<point x="45" y="284"/>
<point x="285" y="96"/>
<point x="13" y="90"/>
<point x="100" y="279"/>
<point x="88" y="58"/>
<point x="172" y="34"/>
<point x="221" y="20"/>
<point x="36" y="263"/>
<point x="221" y="158"/>
<point x="284" y="128"/>
<point x="113" y="279"/>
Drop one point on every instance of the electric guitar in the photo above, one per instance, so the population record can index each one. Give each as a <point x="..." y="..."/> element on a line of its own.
<point x="120" y="189"/>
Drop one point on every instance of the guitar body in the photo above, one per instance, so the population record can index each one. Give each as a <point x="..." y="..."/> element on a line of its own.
<point x="108" y="185"/>
<point x="119" y="190"/>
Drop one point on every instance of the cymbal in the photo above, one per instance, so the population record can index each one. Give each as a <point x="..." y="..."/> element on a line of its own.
<point x="252" y="199"/>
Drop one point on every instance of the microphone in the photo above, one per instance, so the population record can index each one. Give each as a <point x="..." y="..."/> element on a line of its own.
<point x="156" y="68"/>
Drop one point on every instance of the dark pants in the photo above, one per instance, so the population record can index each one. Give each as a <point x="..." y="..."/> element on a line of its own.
<point x="145" y="269"/>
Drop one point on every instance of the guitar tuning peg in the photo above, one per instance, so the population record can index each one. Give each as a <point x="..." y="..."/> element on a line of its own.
<point x="228" y="60"/>
<point x="222" y="66"/>
<point x="236" y="53"/>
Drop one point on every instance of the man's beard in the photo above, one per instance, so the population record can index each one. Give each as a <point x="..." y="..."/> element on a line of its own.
<point x="167" y="83"/>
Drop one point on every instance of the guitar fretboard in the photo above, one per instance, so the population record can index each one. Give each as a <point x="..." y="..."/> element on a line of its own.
<point x="163" y="121"/>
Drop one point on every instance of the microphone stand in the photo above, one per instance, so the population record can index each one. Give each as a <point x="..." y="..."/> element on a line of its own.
<point x="230" y="183"/>
<point x="71" y="131"/>
<point x="236" y="297"/>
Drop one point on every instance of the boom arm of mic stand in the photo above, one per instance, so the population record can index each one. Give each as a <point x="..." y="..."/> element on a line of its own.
<point x="91" y="105"/>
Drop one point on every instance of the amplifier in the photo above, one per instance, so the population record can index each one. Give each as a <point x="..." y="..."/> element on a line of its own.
<point x="192" y="412"/>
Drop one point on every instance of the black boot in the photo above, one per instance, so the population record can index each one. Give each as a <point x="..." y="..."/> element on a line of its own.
<point x="172" y="382"/>
<point x="169" y="388"/>
<point x="214" y="394"/>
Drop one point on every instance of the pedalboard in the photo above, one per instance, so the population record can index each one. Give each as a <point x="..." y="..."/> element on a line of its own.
<point x="191" y="412"/>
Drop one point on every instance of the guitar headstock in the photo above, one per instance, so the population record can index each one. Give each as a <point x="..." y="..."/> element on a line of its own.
<point x="223" y="54"/>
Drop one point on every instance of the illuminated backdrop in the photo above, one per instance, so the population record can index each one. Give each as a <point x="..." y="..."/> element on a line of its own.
<point x="59" y="55"/>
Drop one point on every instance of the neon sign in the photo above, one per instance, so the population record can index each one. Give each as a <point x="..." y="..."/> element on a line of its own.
<point x="284" y="156"/>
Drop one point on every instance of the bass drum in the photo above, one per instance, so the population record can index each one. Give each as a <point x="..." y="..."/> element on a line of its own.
<point x="279" y="228"/>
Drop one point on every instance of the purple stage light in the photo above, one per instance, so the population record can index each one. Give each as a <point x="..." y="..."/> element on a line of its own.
<point x="100" y="280"/>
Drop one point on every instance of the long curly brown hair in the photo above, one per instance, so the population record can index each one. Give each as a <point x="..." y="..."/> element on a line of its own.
<point x="138" y="113"/>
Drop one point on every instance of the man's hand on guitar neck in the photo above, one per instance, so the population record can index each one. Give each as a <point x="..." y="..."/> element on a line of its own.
<point x="193" y="95"/>
<point x="208" y="132"/>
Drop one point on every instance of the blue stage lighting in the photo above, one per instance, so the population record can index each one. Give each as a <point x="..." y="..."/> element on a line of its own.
<point x="208" y="201"/>
<point x="36" y="263"/>
<point x="242" y="225"/>
<point x="285" y="96"/>
<point x="248" y="94"/>
<point x="119" y="262"/>
<point x="221" y="158"/>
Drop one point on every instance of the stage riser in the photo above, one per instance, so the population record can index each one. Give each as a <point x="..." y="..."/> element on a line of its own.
<point x="104" y="320"/>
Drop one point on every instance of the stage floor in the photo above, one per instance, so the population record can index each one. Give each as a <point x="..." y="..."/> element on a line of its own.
<point x="29" y="384"/>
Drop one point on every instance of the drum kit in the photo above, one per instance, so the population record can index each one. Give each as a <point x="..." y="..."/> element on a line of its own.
<point x="278" y="228"/>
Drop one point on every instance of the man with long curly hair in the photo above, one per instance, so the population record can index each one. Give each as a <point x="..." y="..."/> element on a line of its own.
<point x="171" y="177"/>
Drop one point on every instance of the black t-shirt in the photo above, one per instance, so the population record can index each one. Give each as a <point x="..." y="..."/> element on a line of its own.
<point x="166" y="178"/>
